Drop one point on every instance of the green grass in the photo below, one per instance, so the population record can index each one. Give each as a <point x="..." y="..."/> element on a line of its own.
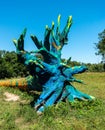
<point x="90" y="115"/>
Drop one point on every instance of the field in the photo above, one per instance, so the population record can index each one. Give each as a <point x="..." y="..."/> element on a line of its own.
<point x="19" y="115"/>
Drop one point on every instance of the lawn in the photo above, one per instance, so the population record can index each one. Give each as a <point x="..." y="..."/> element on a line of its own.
<point x="87" y="115"/>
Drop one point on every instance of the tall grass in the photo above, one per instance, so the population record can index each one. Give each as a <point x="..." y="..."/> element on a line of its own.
<point x="90" y="115"/>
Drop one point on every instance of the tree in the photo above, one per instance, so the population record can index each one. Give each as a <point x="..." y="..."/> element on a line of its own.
<point x="100" y="46"/>
<point x="47" y="70"/>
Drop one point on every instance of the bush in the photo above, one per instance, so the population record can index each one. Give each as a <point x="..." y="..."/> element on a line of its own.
<point x="10" y="67"/>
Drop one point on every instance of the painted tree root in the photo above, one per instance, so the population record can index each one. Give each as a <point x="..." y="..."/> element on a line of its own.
<point x="48" y="73"/>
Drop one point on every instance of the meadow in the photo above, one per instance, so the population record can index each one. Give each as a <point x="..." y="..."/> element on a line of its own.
<point x="80" y="115"/>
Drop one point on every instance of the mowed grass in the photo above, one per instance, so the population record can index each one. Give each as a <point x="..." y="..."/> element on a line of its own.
<point x="81" y="115"/>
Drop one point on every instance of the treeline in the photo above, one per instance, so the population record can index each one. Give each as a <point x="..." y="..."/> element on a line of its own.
<point x="10" y="67"/>
<point x="91" y="67"/>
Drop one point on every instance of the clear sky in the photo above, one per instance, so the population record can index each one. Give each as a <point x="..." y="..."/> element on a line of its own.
<point x="88" y="21"/>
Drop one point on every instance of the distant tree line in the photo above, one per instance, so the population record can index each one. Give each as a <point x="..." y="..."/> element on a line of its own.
<point x="11" y="67"/>
<point x="91" y="67"/>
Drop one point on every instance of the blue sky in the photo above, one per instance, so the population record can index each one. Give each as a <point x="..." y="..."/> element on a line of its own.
<point x="88" y="21"/>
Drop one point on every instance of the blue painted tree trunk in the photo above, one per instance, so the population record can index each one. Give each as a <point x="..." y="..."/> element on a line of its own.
<point x="49" y="74"/>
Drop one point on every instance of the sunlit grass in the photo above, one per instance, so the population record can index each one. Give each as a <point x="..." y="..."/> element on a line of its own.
<point x="19" y="115"/>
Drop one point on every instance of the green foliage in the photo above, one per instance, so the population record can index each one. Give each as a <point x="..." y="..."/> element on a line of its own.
<point x="91" y="67"/>
<point x="63" y="116"/>
<point x="95" y="67"/>
<point x="9" y="65"/>
<point x="100" y="46"/>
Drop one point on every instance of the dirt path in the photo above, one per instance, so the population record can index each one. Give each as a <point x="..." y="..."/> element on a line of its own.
<point x="11" y="97"/>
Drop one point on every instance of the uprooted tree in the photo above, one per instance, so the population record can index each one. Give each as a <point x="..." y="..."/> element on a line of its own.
<point x="48" y="73"/>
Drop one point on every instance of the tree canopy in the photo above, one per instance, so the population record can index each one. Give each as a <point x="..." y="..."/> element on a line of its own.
<point x="100" y="46"/>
